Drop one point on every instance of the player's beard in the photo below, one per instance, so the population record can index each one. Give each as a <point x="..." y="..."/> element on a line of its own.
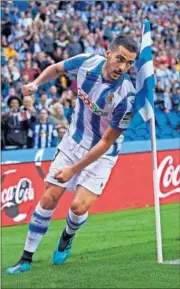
<point x="115" y="74"/>
<point x="111" y="74"/>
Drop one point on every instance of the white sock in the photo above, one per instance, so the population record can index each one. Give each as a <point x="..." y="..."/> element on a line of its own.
<point x="37" y="228"/>
<point x="74" y="222"/>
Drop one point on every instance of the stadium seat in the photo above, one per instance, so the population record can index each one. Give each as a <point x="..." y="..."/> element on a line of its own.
<point x="142" y="132"/>
<point x="158" y="132"/>
<point x="139" y="137"/>
<point x="174" y="119"/>
<point x="166" y="132"/>
<point x="130" y="134"/>
<point x="175" y="134"/>
<point x="161" y="118"/>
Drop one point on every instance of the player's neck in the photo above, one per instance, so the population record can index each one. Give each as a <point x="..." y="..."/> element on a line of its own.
<point x="104" y="73"/>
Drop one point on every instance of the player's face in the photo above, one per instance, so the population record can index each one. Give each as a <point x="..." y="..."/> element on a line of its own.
<point x="118" y="62"/>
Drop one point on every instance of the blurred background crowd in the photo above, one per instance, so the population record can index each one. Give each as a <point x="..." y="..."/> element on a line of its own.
<point x="36" y="34"/>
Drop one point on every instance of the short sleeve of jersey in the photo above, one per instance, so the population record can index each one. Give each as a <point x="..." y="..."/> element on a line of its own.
<point x="72" y="64"/>
<point x="123" y="110"/>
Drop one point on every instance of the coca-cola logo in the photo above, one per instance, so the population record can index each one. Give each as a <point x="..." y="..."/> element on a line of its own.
<point x="168" y="176"/>
<point x="12" y="197"/>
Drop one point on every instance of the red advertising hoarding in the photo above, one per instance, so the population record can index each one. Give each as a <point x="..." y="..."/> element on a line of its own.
<point x="130" y="186"/>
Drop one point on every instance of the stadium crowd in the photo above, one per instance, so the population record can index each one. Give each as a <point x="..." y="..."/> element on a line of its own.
<point x="36" y="34"/>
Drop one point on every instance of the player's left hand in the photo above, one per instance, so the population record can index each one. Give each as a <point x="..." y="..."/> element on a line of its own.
<point x="64" y="175"/>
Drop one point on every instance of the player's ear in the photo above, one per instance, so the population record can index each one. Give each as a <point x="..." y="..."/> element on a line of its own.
<point x="108" y="53"/>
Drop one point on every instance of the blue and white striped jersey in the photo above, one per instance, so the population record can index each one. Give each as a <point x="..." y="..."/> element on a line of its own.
<point x="47" y="105"/>
<point x="43" y="135"/>
<point x="99" y="103"/>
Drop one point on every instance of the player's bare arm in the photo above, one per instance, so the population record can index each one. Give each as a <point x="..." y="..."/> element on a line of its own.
<point x="50" y="73"/>
<point x="96" y="152"/>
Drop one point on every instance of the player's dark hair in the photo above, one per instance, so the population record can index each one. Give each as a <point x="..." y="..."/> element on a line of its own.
<point x="126" y="41"/>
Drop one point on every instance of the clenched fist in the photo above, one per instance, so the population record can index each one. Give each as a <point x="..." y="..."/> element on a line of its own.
<point x="64" y="175"/>
<point x="29" y="89"/>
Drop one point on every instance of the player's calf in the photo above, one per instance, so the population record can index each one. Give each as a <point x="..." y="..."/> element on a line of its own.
<point x="63" y="249"/>
<point x="38" y="227"/>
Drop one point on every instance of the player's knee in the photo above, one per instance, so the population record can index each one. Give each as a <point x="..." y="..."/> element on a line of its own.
<point x="47" y="202"/>
<point x="78" y="207"/>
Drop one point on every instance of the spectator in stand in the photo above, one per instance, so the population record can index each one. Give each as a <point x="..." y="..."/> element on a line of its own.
<point x="10" y="52"/>
<point x="176" y="98"/>
<point x="14" y="103"/>
<point x="167" y="99"/>
<point x="57" y="54"/>
<point x="62" y="40"/>
<point x="42" y="60"/>
<point x="21" y="18"/>
<point x="53" y="94"/>
<point x="48" y="42"/>
<point x="11" y="72"/>
<point x="163" y="74"/>
<point x="4" y="107"/>
<point x="6" y="22"/>
<point x="33" y="73"/>
<point x="11" y="92"/>
<point x="27" y="20"/>
<point x="61" y="130"/>
<point x="4" y="42"/>
<point x="24" y="80"/>
<point x="14" y="15"/>
<point x="28" y="106"/>
<point x="74" y="47"/>
<point x="65" y="54"/>
<point x="36" y="45"/>
<point x="62" y="82"/>
<point x="15" y="125"/>
<point x="174" y="75"/>
<point x="68" y="100"/>
<point x="17" y="37"/>
<point x="29" y="34"/>
<point x="43" y="134"/>
<point x="44" y="103"/>
<point x="159" y="92"/>
<point x="57" y="114"/>
<point x="23" y="55"/>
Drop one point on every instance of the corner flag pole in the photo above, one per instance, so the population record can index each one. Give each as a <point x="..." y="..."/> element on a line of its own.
<point x="144" y="106"/>
<point x="156" y="191"/>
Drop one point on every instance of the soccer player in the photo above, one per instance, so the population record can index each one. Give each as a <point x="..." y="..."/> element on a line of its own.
<point x="89" y="150"/>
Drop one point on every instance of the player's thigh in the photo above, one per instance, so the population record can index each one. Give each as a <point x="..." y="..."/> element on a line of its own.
<point x="61" y="160"/>
<point x="82" y="200"/>
<point x="95" y="176"/>
<point x="51" y="196"/>
<point x="55" y="189"/>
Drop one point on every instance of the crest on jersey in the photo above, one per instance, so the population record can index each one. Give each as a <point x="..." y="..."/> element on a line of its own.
<point x="109" y="98"/>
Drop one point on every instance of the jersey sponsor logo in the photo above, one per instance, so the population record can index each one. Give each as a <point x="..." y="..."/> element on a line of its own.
<point x="92" y="106"/>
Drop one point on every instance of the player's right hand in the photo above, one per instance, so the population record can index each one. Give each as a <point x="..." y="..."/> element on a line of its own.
<point x="29" y="89"/>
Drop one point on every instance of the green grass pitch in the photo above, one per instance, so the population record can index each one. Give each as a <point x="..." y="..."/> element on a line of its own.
<point x="113" y="250"/>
